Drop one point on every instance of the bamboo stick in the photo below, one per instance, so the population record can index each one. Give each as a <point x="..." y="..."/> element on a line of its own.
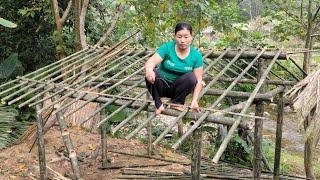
<point x="143" y="124"/>
<point x="126" y="166"/>
<point x="41" y="148"/>
<point x="294" y="62"/>
<point x="249" y="101"/>
<point x="237" y="67"/>
<point x="68" y="144"/>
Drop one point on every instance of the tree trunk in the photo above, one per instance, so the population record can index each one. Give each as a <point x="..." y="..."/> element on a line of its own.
<point x="308" y="152"/>
<point x="307" y="45"/>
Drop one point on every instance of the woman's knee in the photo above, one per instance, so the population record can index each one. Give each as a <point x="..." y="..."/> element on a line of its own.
<point x="192" y="79"/>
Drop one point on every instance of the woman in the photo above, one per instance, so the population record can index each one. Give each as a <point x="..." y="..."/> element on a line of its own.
<point x="179" y="72"/>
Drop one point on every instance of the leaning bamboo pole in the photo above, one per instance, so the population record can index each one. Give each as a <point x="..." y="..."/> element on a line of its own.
<point x="244" y="110"/>
<point x="204" y="116"/>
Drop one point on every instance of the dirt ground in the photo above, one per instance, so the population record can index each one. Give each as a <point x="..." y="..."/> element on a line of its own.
<point x="17" y="163"/>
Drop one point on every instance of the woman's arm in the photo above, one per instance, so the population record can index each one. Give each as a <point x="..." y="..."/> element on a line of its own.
<point x="151" y="63"/>
<point x="194" y="104"/>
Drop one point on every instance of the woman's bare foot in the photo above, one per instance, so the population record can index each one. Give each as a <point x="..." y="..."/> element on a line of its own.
<point x="160" y="109"/>
<point x="178" y="107"/>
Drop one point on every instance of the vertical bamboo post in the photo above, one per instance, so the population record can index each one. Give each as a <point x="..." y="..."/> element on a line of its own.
<point x="257" y="154"/>
<point x="41" y="148"/>
<point x="277" y="150"/>
<point x="103" y="131"/>
<point x="67" y="141"/>
<point x="149" y="129"/>
<point x="196" y="153"/>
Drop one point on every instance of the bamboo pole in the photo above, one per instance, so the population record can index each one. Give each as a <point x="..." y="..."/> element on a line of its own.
<point x="277" y="150"/>
<point x="103" y="132"/>
<point x="149" y="129"/>
<point x="68" y="144"/>
<point x="196" y="154"/>
<point x="41" y="148"/>
<point x="248" y="103"/>
<point x="257" y="149"/>
<point x="237" y="67"/>
<point x="294" y="62"/>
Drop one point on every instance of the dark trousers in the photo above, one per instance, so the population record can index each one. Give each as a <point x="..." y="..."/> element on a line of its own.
<point x="177" y="90"/>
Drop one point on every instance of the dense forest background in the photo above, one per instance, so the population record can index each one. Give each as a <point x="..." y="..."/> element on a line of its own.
<point x="50" y="30"/>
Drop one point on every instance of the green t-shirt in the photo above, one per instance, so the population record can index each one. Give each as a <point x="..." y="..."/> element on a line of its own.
<point x="172" y="66"/>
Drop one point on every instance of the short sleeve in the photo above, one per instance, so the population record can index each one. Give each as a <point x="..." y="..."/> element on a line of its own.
<point x="199" y="61"/>
<point x="163" y="50"/>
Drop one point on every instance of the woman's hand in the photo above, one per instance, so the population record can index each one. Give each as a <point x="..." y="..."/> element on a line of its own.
<point x="150" y="75"/>
<point x="195" y="106"/>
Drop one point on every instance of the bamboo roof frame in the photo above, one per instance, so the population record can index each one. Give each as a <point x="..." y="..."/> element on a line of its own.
<point x="105" y="69"/>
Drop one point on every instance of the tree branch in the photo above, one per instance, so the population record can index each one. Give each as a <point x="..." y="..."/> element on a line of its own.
<point x="315" y="15"/>
<point x="55" y="11"/>
<point x="66" y="12"/>
<point x="82" y="17"/>
<point x="301" y="14"/>
<point x="112" y="25"/>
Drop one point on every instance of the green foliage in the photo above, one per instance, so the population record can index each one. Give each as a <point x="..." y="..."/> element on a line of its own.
<point x="10" y="128"/>
<point x="7" y="23"/>
<point x="10" y="67"/>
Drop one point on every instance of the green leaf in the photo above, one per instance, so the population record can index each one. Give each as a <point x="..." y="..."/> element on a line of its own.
<point x="7" y="23"/>
<point x="10" y="67"/>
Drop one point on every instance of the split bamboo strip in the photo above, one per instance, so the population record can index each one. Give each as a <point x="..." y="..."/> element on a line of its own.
<point x="56" y="78"/>
<point x="244" y="110"/>
<point x="79" y="81"/>
<point x="230" y="69"/>
<point x="62" y="82"/>
<point x="185" y="111"/>
<point x="73" y="56"/>
<point x="47" y="77"/>
<point x="204" y="116"/>
<point x="40" y="75"/>
<point x="84" y="84"/>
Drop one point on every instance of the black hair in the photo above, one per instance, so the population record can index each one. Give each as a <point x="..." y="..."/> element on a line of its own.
<point x="181" y="26"/>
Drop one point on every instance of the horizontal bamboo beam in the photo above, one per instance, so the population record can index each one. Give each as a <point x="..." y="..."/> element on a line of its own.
<point x="265" y="96"/>
<point x="248" y="54"/>
<point x="212" y="118"/>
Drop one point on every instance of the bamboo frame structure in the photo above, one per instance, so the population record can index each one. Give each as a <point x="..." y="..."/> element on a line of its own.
<point x="114" y="76"/>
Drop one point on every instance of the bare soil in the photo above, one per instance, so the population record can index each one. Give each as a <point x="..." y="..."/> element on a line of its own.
<point x="18" y="163"/>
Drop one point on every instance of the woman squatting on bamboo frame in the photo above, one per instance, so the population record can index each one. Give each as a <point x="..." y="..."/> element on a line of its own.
<point x="175" y="70"/>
